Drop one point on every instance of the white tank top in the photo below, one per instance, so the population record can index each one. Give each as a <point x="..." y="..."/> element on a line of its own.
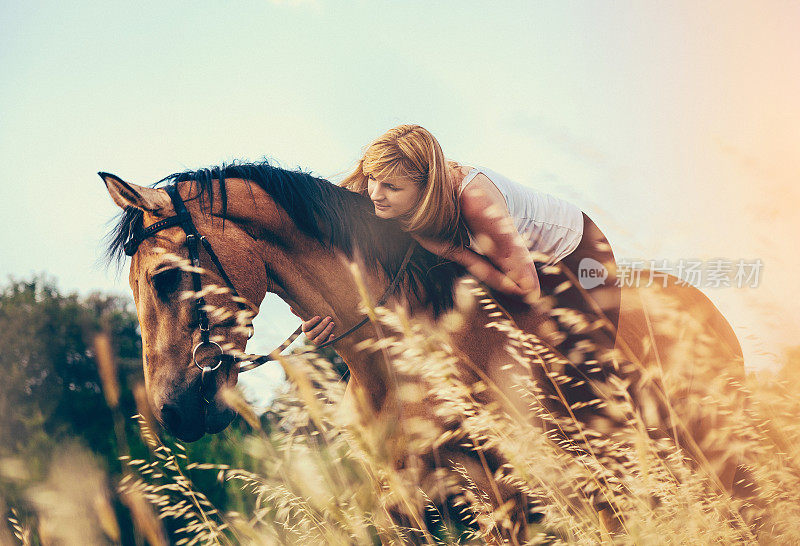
<point x="548" y="224"/>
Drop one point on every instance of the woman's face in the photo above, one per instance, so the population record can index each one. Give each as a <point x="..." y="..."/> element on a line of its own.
<point x="392" y="197"/>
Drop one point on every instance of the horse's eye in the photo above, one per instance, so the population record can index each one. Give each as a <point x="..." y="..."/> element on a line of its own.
<point x="166" y="282"/>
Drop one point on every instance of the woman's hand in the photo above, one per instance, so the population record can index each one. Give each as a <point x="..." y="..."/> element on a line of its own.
<point x="316" y="329"/>
<point x="518" y="282"/>
<point x="525" y="277"/>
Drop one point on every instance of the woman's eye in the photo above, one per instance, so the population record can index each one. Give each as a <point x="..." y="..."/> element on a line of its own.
<point x="166" y="282"/>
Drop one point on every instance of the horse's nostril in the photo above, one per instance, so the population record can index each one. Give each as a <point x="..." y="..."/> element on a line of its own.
<point x="171" y="417"/>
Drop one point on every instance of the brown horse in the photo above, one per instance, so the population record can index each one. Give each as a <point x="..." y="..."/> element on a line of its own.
<point x="294" y="235"/>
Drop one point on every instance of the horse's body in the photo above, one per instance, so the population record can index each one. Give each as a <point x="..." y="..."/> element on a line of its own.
<point x="283" y="233"/>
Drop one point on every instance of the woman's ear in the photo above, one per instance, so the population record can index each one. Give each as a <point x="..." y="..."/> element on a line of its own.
<point x="126" y="195"/>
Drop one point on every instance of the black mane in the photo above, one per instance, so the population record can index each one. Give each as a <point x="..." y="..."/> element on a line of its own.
<point x="333" y="215"/>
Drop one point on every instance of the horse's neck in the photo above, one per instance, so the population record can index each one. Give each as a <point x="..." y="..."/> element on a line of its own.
<point x="316" y="280"/>
<point x="328" y="287"/>
<point x="322" y="283"/>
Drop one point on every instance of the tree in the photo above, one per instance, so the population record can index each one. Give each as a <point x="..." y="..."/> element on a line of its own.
<point x="51" y="394"/>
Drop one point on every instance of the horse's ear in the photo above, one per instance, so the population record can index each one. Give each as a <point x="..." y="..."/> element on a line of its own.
<point x="125" y="195"/>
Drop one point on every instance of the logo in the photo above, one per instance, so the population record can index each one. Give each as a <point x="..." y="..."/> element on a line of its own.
<point x="591" y="273"/>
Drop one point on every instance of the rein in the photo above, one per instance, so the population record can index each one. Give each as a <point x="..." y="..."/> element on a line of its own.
<point x="194" y="240"/>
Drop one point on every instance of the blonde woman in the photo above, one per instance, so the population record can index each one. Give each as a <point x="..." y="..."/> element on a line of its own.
<point x="499" y="230"/>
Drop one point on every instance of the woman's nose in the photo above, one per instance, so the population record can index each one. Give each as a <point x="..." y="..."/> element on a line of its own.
<point x="376" y="193"/>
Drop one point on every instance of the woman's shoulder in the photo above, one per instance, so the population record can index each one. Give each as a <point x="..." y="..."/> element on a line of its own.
<point x="462" y="176"/>
<point x="479" y="193"/>
<point x="459" y="172"/>
<point x="475" y="188"/>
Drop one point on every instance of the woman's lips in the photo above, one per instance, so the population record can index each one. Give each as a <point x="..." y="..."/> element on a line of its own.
<point x="381" y="207"/>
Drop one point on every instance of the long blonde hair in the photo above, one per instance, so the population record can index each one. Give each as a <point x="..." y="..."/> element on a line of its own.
<point x="410" y="151"/>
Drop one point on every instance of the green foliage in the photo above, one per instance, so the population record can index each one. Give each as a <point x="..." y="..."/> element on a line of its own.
<point x="51" y="390"/>
<point x="51" y="396"/>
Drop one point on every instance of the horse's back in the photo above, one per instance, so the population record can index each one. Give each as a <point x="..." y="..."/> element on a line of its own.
<point x="660" y="323"/>
<point x="690" y="363"/>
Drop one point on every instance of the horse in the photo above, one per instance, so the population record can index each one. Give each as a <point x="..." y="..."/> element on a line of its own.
<point x="295" y="235"/>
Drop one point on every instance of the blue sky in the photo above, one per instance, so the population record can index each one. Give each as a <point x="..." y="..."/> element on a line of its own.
<point x="675" y="126"/>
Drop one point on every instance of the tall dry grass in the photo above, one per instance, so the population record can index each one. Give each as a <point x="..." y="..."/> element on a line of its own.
<point x="321" y="476"/>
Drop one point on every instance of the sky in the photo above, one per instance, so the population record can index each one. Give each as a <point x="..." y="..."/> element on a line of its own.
<point x="675" y="126"/>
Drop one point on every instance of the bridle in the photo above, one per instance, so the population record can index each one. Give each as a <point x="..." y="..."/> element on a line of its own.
<point x="194" y="240"/>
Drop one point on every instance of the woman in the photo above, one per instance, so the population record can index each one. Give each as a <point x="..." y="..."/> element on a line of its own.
<point x="499" y="230"/>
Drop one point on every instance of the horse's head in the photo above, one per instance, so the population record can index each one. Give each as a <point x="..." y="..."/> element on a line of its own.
<point x="170" y="320"/>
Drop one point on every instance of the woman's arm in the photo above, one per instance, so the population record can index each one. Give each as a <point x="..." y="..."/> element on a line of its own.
<point x="486" y="215"/>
